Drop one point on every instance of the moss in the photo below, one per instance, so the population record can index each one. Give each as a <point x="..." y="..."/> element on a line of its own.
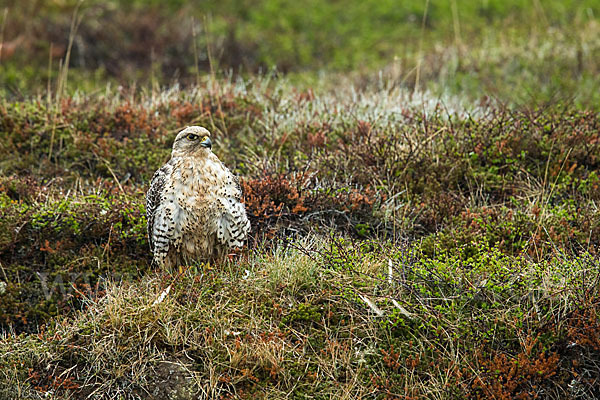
<point x="304" y="313"/>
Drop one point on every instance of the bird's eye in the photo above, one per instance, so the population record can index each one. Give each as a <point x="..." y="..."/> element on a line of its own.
<point x="191" y="136"/>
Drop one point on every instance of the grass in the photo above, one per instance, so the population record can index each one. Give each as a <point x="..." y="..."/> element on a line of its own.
<point x="428" y="231"/>
<point x="521" y="52"/>
<point x="403" y="244"/>
<point x="295" y="322"/>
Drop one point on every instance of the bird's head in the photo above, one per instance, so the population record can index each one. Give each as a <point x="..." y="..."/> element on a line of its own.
<point x="193" y="140"/>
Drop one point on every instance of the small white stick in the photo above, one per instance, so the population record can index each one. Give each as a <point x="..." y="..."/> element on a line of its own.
<point x="403" y="310"/>
<point x="372" y="305"/>
<point x="162" y="295"/>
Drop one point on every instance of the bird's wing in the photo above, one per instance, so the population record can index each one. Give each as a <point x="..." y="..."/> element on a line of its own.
<point x="238" y="187"/>
<point x="153" y="198"/>
<point x="233" y="188"/>
<point x="233" y="226"/>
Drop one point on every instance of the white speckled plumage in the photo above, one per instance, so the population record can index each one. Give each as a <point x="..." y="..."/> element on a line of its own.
<point x="193" y="204"/>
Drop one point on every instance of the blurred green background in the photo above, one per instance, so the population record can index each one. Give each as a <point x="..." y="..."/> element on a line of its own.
<point x="515" y="50"/>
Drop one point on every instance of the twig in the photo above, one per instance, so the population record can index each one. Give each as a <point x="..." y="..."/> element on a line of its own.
<point x="371" y="305"/>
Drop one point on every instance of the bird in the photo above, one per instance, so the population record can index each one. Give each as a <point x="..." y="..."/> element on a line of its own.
<point x="193" y="206"/>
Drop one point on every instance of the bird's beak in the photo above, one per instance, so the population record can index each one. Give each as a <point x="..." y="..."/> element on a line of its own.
<point x="206" y="143"/>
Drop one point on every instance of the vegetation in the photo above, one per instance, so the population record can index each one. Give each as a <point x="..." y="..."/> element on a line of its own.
<point x="520" y="51"/>
<point x="428" y="250"/>
<point x="430" y="231"/>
